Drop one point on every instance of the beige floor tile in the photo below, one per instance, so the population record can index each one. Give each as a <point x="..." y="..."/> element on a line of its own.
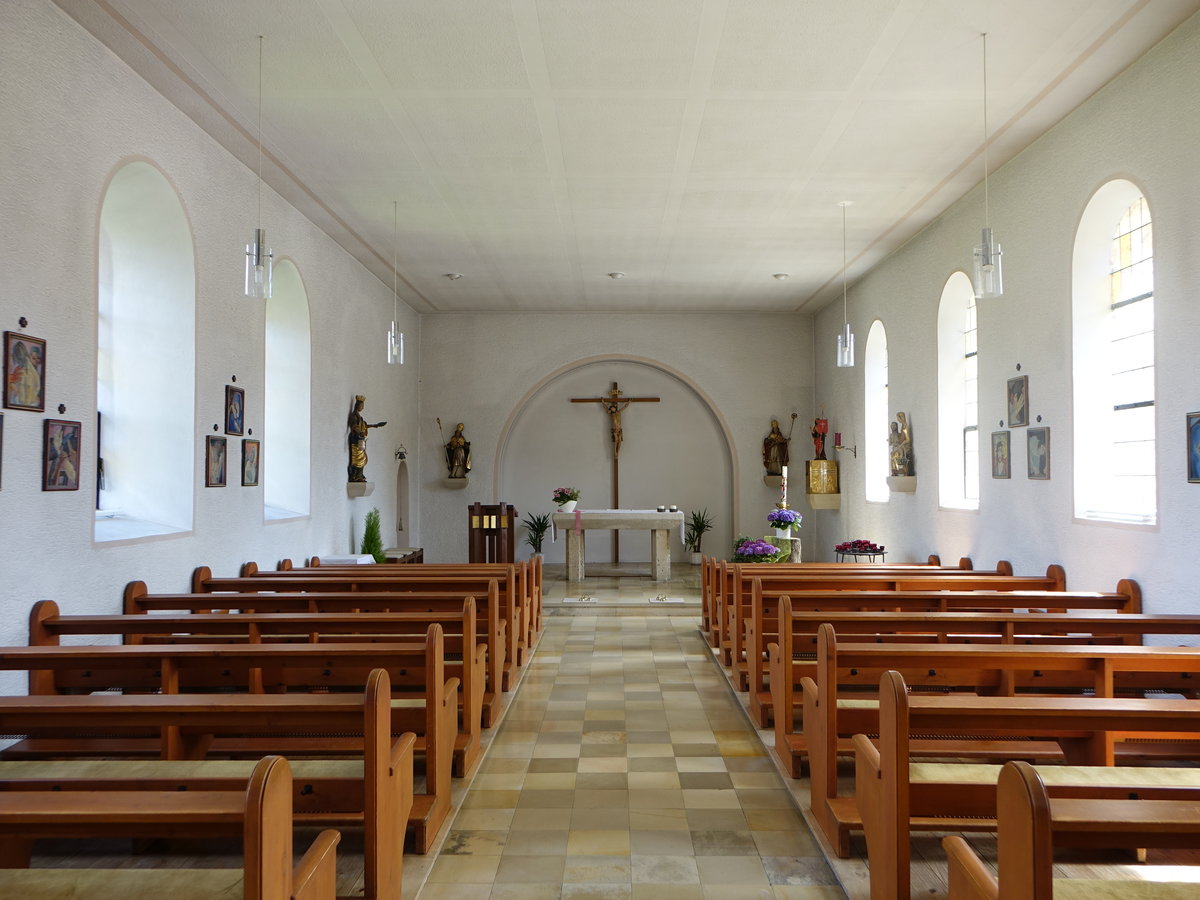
<point x="597" y="870"/>
<point x="464" y="870"/>
<point x="474" y="843"/>
<point x="478" y="819"/>
<point x="543" y="891"/>
<point x="656" y="799"/>
<point x="711" y="799"/>
<point x="662" y="842"/>
<point x="742" y="870"/>
<point x="595" y="892"/>
<point x="586" y="842"/>
<point x="601" y="819"/>
<point x="550" y="781"/>
<point x="668" y="892"/>
<point x="456" y="892"/>
<point x="665" y="870"/>
<point x="806" y="892"/>
<point x="656" y="819"/>
<point x="542" y="819"/>
<point x="755" y="799"/>
<point x="485" y="799"/>
<point x="503" y="781"/>
<point x="604" y="764"/>
<point x="531" y="869"/>
<point x="644" y="781"/>
<point x="633" y="750"/>
<point x="536" y="842"/>
<point x="755" y="781"/>
<point x="792" y="842"/>
<point x="585" y="799"/>
<point x="738" y="892"/>
<point x="701" y="764"/>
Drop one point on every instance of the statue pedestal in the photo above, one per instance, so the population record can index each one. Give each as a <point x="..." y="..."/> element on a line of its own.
<point x="792" y="545"/>
<point x="360" y="488"/>
<point x="903" y="484"/>
<point x="456" y="483"/>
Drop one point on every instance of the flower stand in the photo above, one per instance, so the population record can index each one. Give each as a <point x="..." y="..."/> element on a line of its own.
<point x="791" y="543"/>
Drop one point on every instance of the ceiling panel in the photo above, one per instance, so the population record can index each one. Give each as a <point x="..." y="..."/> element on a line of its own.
<point x="699" y="146"/>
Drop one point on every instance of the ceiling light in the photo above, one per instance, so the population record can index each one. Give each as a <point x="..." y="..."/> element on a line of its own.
<point x="395" y="337"/>
<point x="988" y="280"/>
<point x="845" y="340"/>
<point x="616" y="275"/>
<point x="780" y="276"/>
<point x="258" y="255"/>
<point x="454" y="276"/>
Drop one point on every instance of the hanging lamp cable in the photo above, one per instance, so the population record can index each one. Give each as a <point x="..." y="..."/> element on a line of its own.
<point x="260" y="95"/>
<point x="987" y="219"/>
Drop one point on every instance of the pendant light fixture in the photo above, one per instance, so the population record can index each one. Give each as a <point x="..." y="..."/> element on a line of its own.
<point x="395" y="337"/>
<point x="845" y="341"/>
<point x="988" y="280"/>
<point x="258" y="255"/>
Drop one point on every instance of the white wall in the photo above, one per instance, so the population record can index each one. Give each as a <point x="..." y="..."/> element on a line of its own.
<point x="509" y="379"/>
<point x="1144" y="126"/>
<point x="72" y="115"/>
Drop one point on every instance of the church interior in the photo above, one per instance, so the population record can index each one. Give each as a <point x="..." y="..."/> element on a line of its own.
<point x="306" y="280"/>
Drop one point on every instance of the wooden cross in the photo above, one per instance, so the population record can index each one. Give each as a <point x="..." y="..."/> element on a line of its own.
<point x="613" y="403"/>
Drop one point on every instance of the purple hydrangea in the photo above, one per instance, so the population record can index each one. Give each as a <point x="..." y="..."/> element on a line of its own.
<point x="784" y="518"/>
<point x="756" y="549"/>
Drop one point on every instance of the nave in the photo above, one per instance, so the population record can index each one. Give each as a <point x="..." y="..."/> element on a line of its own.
<point x="626" y="768"/>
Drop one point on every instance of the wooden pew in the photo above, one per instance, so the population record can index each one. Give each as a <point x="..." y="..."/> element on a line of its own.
<point x="530" y="577"/>
<point x="1031" y="822"/>
<point x="261" y="812"/>
<point x="47" y="626"/>
<point x="138" y="600"/>
<point x="169" y="668"/>
<point x="895" y="796"/>
<point x="395" y="583"/>
<point x="824" y="588"/>
<point x="770" y="609"/>
<point x="712" y="592"/>
<point x="833" y="712"/>
<point x="374" y="789"/>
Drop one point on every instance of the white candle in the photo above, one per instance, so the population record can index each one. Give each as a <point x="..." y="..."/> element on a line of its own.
<point x="783" y="485"/>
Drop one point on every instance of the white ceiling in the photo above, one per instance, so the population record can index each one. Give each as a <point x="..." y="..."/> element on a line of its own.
<point x="698" y="146"/>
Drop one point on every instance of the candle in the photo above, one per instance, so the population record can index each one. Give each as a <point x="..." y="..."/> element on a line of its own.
<point x="837" y="439"/>
<point x="783" y="486"/>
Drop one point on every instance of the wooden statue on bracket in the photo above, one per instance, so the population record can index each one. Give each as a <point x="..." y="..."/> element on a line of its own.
<point x="358" y="439"/>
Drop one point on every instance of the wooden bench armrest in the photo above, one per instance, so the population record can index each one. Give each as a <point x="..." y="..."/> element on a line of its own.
<point x="969" y="877"/>
<point x="315" y="876"/>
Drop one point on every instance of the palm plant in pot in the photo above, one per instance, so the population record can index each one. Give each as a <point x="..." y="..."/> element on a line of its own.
<point x="536" y="526"/>
<point x="699" y="522"/>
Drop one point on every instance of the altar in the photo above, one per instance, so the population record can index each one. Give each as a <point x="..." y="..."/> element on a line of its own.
<point x="659" y="524"/>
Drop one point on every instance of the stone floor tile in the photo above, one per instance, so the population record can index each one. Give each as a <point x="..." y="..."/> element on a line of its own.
<point x="474" y="843"/>
<point x="595" y="892"/>
<point x="665" y="870"/>
<point x="596" y="869"/>
<point x="464" y="870"/>
<point x="662" y="842"/>
<point x="591" y="842"/>
<point x="531" y="869"/>
<point x="536" y="842"/>
<point x="748" y="870"/>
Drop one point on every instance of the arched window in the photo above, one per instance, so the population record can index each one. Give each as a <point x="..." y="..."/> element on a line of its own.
<point x="287" y="397"/>
<point x="958" y="395"/>
<point x="146" y="358"/>
<point x="875" y="413"/>
<point x="1113" y="362"/>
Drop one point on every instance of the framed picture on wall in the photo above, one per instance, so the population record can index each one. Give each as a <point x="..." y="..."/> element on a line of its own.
<point x="60" y="455"/>
<point x="1193" y="447"/>
<point x="24" y="372"/>
<point x="250" y="453"/>
<point x="1001" y="457"/>
<point x="214" y="461"/>
<point x="1038" y="442"/>
<point x="1018" y="401"/>
<point x="235" y="410"/>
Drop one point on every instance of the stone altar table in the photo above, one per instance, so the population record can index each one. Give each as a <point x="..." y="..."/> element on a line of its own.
<point x="659" y="524"/>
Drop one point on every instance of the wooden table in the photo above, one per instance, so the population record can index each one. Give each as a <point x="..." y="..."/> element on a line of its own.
<point x="659" y="524"/>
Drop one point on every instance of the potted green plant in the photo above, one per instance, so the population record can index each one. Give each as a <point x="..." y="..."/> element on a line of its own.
<point x="536" y="527"/>
<point x="372" y="539"/>
<point x="699" y="522"/>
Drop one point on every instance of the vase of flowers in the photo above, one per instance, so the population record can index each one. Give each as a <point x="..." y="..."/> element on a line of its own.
<point x="785" y="521"/>
<point x="757" y="551"/>
<point x="566" y="498"/>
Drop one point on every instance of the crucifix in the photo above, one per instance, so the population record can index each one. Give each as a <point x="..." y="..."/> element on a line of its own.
<point x="613" y="403"/>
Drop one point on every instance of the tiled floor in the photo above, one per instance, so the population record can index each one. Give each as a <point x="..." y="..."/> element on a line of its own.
<point x="625" y="769"/>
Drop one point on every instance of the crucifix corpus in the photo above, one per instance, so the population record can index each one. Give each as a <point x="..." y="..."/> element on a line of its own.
<point x="614" y="403"/>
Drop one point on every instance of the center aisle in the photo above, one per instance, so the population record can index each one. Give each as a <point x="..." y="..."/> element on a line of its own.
<point x="625" y="769"/>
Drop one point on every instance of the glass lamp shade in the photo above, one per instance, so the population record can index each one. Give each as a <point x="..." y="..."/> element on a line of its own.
<point x="989" y="280"/>
<point x="395" y="346"/>
<point x="845" y="348"/>
<point x="258" y="266"/>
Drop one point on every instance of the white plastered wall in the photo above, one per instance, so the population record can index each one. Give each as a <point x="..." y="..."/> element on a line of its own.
<point x="1145" y="126"/>
<point x="509" y="379"/>
<point x="72" y="115"/>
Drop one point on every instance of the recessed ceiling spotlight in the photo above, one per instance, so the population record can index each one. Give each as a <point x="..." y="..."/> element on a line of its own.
<point x="454" y="276"/>
<point x="780" y="276"/>
<point x="616" y="274"/>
